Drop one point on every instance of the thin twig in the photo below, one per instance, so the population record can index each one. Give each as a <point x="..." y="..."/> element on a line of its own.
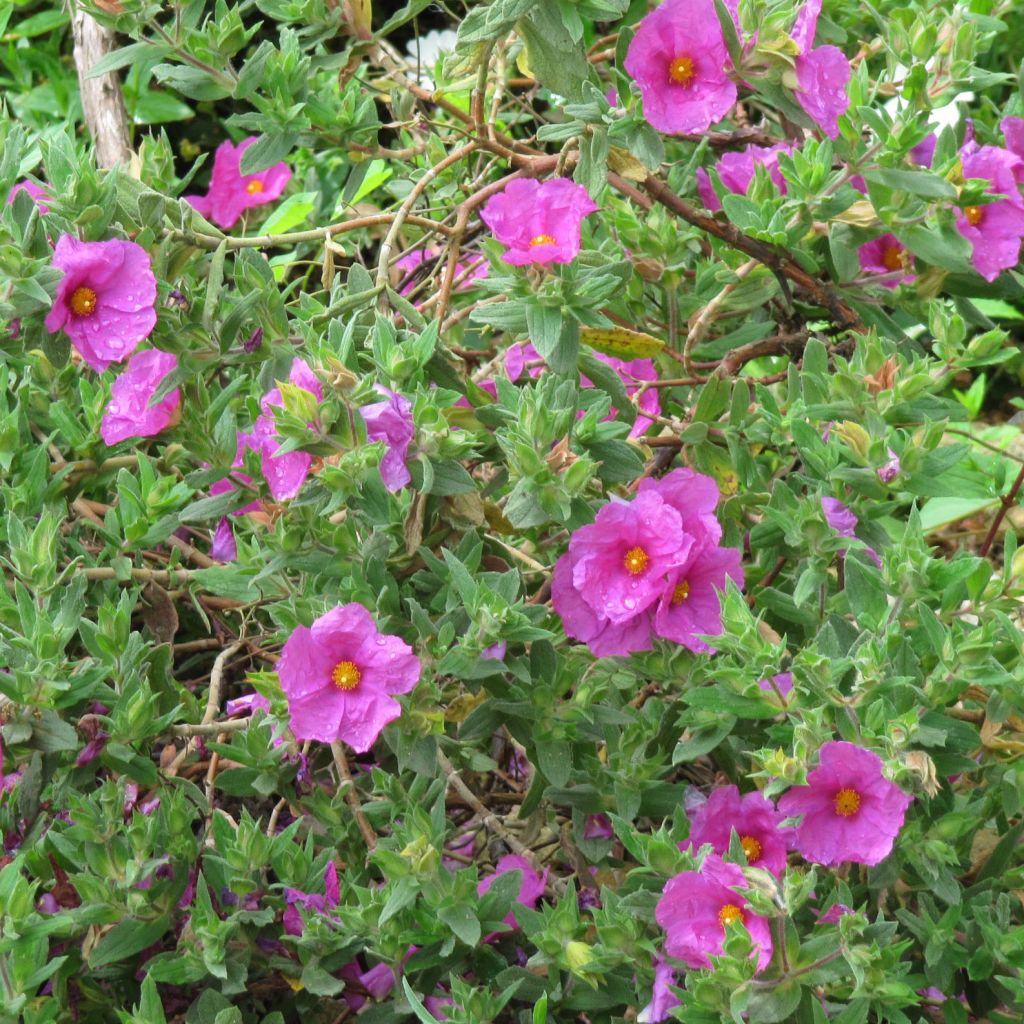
<point x="1008" y="500"/>
<point x="341" y="763"/>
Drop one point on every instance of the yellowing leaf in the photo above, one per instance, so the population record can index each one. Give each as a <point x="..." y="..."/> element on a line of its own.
<point x="622" y="162"/>
<point x="619" y="342"/>
<point x="860" y="214"/>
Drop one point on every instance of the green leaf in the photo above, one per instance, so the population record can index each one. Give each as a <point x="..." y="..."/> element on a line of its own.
<point x="556" y="61"/>
<point x="294" y="210"/>
<point x="127" y="938"/>
<point x="621" y="343"/>
<point x="422" y="1013"/>
<point x="266" y="151"/>
<point x="732" y="39"/>
<point x="117" y="59"/>
<point x="866" y="593"/>
<point x="918" y="183"/>
<point x="462" y="921"/>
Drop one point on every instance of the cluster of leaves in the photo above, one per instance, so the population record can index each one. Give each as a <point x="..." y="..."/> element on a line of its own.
<point x="148" y="860"/>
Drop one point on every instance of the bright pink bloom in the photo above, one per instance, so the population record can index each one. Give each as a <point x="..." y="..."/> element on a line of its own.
<point x="924" y="152"/>
<point x="231" y="193"/>
<point x="678" y="59"/>
<point x="887" y="255"/>
<point x="822" y="74"/>
<point x="737" y="172"/>
<point x="851" y="811"/>
<point x="844" y="522"/>
<point x="285" y="474"/>
<point x="694" y="496"/>
<point x="695" y="908"/>
<point x="755" y="821"/>
<point x="663" y="999"/>
<point x="106" y="300"/>
<point x="391" y="421"/>
<point x="224" y="547"/>
<point x="539" y="221"/>
<point x="37" y="192"/>
<point x="223" y="486"/>
<point x="496" y="652"/>
<point x="995" y="229"/>
<point x="531" y="888"/>
<point x="783" y="684"/>
<point x="1013" y="133"/>
<point x="310" y="901"/>
<point x="129" y="411"/>
<point x="340" y="677"/>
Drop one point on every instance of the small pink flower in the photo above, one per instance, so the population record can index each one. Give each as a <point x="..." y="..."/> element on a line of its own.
<point x="995" y="229"/>
<point x="834" y="913"/>
<point x="598" y="826"/>
<point x="695" y="908"/>
<point x="224" y="548"/>
<point x="340" y="677"/>
<point x="129" y="412"/>
<point x="539" y="221"/>
<point x="37" y="192"/>
<point x="891" y="469"/>
<point x="783" y="685"/>
<point x="310" y="901"/>
<point x="106" y="300"/>
<point x="887" y="255"/>
<point x="531" y="887"/>
<point x="822" y="74"/>
<point x="755" y="821"/>
<point x="231" y="193"/>
<point x="851" y="811"/>
<point x="736" y="171"/>
<point x="844" y="522"/>
<point x="391" y="421"/>
<point x="678" y="58"/>
<point x="247" y="704"/>
<point x="663" y="999"/>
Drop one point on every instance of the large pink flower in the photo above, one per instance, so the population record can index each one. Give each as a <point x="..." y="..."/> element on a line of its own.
<point x="694" y="496"/>
<point x="737" y="171"/>
<point x="995" y="229"/>
<point x="755" y="821"/>
<point x="231" y="193"/>
<point x="391" y="421"/>
<point x="822" y="74"/>
<point x="887" y="255"/>
<point x="851" y="811"/>
<point x="695" y="908"/>
<point x="678" y="59"/>
<point x="106" y="300"/>
<point x="37" y="192"/>
<point x="129" y="412"/>
<point x="340" y="677"/>
<point x="539" y="221"/>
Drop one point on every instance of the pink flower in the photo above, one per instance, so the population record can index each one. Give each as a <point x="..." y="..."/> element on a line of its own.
<point x="851" y="811"/>
<point x="887" y="255"/>
<point x="231" y="192"/>
<point x="244" y="441"/>
<point x="247" y="704"/>
<point x="539" y="221"/>
<point x="678" y="59"/>
<point x="924" y="152"/>
<point x="891" y="469"/>
<point x="285" y="474"/>
<point x="783" y="685"/>
<point x="129" y="411"/>
<point x="995" y="229"/>
<point x="37" y="192"/>
<point x="822" y="74"/>
<point x="598" y="826"/>
<point x="755" y="821"/>
<point x="531" y="888"/>
<point x="737" y="172"/>
<point x="518" y="357"/>
<point x="340" y="677"/>
<point x="662" y="997"/>
<point x="310" y="901"/>
<point x="695" y="908"/>
<point x="224" y="547"/>
<point x="391" y="421"/>
<point x="844" y="522"/>
<point x="834" y="913"/>
<point x="106" y="300"/>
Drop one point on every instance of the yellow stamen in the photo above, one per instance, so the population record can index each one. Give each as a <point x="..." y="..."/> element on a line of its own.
<point x="636" y="561"/>
<point x="254" y="187"/>
<point x="680" y="593"/>
<point x="541" y="240"/>
<point x="345" y="676"/>
<point x="974" y="215"/>
<point x="730" y="913"/>
<point x="892" y="258"/>
<point x="681" y="70"/>
<point x="83" y="301"/>
<point x="847" y="802"/>
<point x="751" y="847"/>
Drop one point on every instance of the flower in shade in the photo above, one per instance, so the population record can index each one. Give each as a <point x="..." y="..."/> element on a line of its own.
<point x="130" y="412"/>
<point x="752" y="817"/>
<point x="391" y="421"/>
<point x="106" y="299"/>
<point x="887" y="255"/>
<point x="598" y="826"/>
<point x="994" y="229"/>
<point x="924" y="152"/>
<point x="851" y="811"/>
<point x="822" y="73"/>
<point x="844" y="522"/>
<point x="417" y="257"/>
<point x="834" y="913"/>
<point x="310" y="901"/>
<point x="695" y="908"/>
<point x="231" y="193"/>
<point x="538" y="221"/>
<point x="781" y="685"/>
<point x="224" y="548"/>
<point x="677" y="57"/>
<point x="37" y="192"/>
<point x="285" y="473"/>
<point x="736" y="171"/>
<point x="891" y="469"/>
<point x="247" y="704"/>
<point x="531" y="886"/>
<point x="663" y="999"/>
<point x="341" y="675"/>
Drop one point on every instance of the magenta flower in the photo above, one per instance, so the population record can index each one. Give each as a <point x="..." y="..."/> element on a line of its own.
<point x="310" y="901"/>
<point x="662" y="997"/>
<point x="678" y="59"/>
<point x="106" y="300"/>
<point x="224" y="547"/>
<point x="598" y="826"/>
<point x="822" y="74"/>
<point x="781" y="685"/>
<point x="887" y="255"/>
<point x="851" y="811"/>
<point x="129" y="411"/>
<point x="736" y="171"/>
<point x="223" y="486"/>
<point x="891" y="469"/>
<point x="231" y="193"/>
<point x="834" y="913"/>
<point x="391" y="421"/>
<point x="539" y="221"/>
<point x="247" y="704"/>
<point x="844" y="522"/>
<point x="1013" y="133"/>
<point x="995" y="229"/>
<point x="924" y="152"/>
<point x="531" y="887"/>
<point x="285" y="474"/>
<point x="755" y="821"/>
<point x="37" y="192"/>
<point x="340" y="677"/>
<point x="695" y="908"/>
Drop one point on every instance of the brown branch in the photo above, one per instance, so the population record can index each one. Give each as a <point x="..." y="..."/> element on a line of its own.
<point x="1008" y="499"/>
<point x="341" y="763"/>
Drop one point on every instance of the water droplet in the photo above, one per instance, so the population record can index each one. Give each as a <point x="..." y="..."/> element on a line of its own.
<point x="629" y="603"/>
<point x="381" y="641"/>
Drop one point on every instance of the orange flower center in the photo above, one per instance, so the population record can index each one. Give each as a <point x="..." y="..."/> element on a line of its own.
<point x="83" y="301"/>
<point x="636" y="561"/>
<point x="730" y="913"/>
<point x="681" y="70"/>
<point x="254" y="187"/>
<point x="751" y="847"/>
<point x="541" y="240"/>
<point x="892" y="258"/>
<point x="680" y="592"/>
<point x="847" y="802"/>
<point x="345" y="676"/>
<point x="974" y="215"/>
